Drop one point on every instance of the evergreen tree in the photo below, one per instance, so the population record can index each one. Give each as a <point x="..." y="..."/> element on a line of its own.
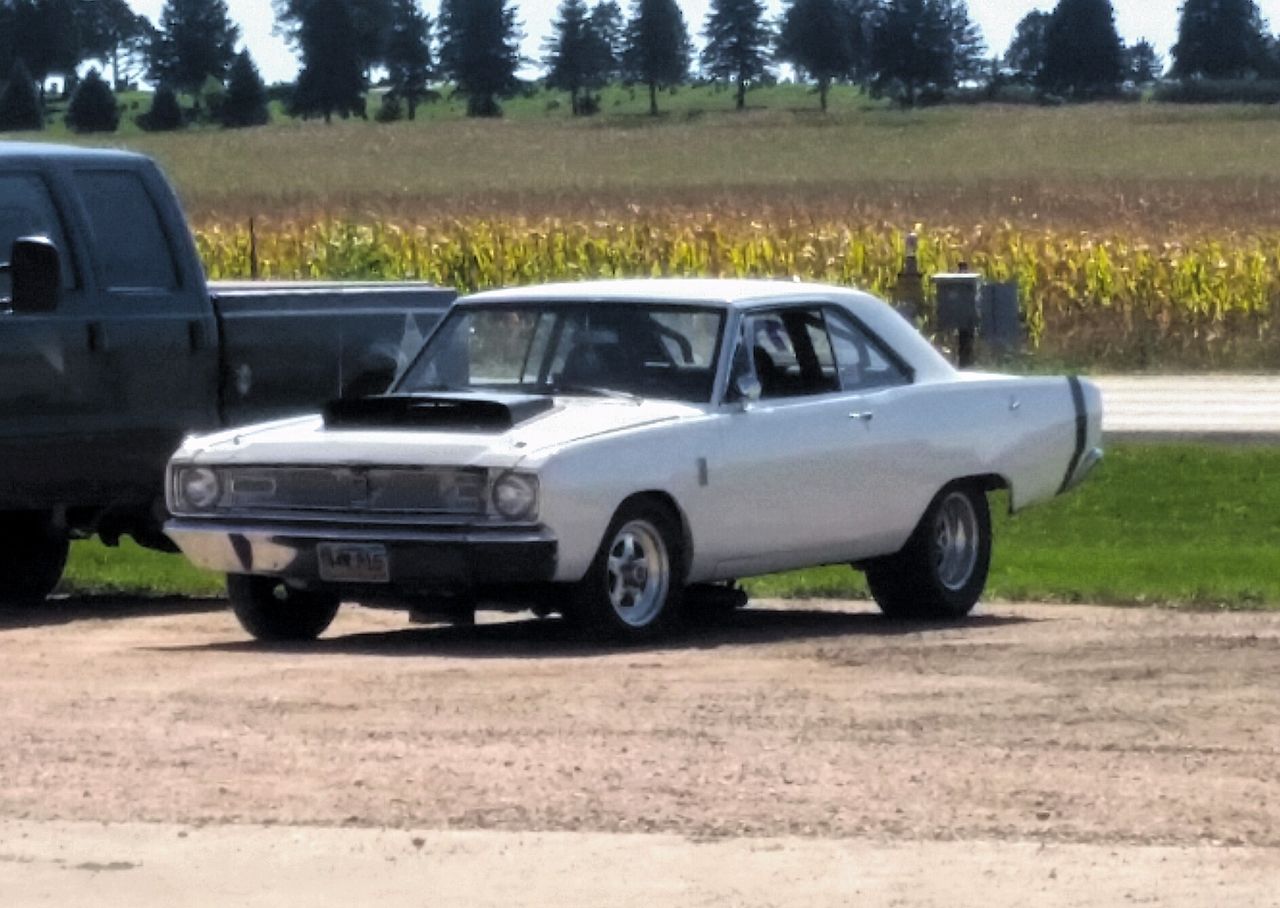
<point x="1143" y="63"/>
<point x="46" y="36"/>
<point x="1219" y="39"/>
<point x="165" y="114"/>
<point x="608" y="22"/>
<point x="332" y="76"/>
<point x="737" y="44"/>
<point x="245" y="103"/>
<point x="578" y="57"/>
<point x="196" y="39"/>
<point x="480" y="51"/>
<point x="1084" y="56"/>
<point x="20" y="102"/>
<point x="93" y="107"/>
<point x="816" y="39"/>
<point x="1026" y="52"/>
<point x="409" y="54"/>
<point x="863" y="17"/>
<point x="372" y="23"/>
<point x="658" y="49"/>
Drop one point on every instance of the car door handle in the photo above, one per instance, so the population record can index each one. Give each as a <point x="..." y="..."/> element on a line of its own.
<point x="865" y="416"/>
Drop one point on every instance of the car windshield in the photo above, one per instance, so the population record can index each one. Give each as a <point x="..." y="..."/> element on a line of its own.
<point x="598" y="349"/>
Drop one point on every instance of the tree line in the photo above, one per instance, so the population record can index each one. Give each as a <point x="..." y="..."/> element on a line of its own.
<point x="912" y="51"/>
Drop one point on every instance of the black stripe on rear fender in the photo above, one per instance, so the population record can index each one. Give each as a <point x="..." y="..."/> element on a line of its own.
<point x="1082" y="430"/>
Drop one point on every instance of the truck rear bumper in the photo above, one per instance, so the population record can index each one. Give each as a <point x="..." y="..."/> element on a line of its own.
<point x="415" y="558"/>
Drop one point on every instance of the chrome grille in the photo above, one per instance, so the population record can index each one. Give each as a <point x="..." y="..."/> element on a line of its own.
<point x="372" y="490"/>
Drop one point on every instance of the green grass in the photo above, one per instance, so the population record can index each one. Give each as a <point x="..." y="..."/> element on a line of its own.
<point x="1156" y="524"/>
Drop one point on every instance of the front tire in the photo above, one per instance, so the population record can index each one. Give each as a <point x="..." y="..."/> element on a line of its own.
<point x="633" y="589"/>
<point x="271" y="610"/>
<point x="941" y="572"/>
<point x="32" y="557"/>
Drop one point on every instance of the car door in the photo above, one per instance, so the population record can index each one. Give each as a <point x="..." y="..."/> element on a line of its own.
<point x="150" y="329"/>
<point x="800" y="472"/>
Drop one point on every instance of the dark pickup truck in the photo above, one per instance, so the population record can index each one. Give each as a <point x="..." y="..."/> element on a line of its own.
<point x="113" y="346"/>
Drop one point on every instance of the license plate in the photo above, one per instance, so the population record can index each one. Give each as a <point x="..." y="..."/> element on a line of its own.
<point x="348" y="563"/>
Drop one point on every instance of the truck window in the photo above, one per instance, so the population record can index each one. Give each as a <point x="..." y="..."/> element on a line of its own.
<point x="26" y="209"/>
<point x="132" y="250"/>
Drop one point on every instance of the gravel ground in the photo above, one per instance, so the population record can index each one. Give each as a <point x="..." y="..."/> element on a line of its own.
<point x="1106" y="731"/>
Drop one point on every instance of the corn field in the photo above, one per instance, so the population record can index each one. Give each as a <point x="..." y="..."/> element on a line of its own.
<point x="1088" y="299"/>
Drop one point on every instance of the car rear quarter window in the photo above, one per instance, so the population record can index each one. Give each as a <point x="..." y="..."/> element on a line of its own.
<point x="27" y="209"/>
<point x="863" y="364"/>
<point x="131" y="248"/>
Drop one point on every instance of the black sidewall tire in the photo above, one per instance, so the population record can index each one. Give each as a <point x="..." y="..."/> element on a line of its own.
<point x="591" y="612"/>
<point x="32" y="557"/>
<point x="296" y="615"/>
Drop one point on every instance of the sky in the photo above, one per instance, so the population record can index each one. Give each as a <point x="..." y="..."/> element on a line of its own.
<point x="1155" y="20"/>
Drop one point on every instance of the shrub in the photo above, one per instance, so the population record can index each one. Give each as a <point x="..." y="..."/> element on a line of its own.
<point x="19" y="102"/>
<point x="93" y="107"/>
<point x="165" y="114"/>
<point x="1219" y="91"/>
<point x="391" y="110"/>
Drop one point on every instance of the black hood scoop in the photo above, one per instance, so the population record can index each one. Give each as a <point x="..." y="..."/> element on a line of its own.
<point x="492" y="414"/>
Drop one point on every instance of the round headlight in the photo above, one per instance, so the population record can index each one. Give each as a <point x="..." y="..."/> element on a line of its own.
<point x="200" y="487"/>
<point x="515" y="496"/>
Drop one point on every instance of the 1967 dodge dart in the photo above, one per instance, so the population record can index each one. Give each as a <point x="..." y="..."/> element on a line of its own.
<point x="619" y="451"/>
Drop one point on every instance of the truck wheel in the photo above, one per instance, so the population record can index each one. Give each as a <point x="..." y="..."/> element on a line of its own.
<point x="633" y="589"/>
<point x="32" y="556"/>
<point x="942" y="570"/>
<point x="269" y="609"/>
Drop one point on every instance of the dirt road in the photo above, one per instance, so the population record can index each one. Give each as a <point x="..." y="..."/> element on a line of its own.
<point x="1137" y="749"/>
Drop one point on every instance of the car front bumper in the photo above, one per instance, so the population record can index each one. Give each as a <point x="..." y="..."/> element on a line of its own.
<point x="417" y="557"/>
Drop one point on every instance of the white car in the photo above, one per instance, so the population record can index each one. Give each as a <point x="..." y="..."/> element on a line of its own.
<point x="612" y="451"/>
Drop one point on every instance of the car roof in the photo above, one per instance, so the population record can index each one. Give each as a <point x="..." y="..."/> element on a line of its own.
<point x="671" y="291"/>
<point x="10" y="151"/>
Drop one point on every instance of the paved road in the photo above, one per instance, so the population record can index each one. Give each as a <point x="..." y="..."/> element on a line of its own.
<point x="1211" y="407"/>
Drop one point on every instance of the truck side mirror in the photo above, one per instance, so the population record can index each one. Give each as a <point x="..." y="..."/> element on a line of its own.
<point x="35" y="270"/>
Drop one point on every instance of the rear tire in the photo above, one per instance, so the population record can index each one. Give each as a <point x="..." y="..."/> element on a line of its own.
<point x="942" y="570"/>
<point x="632" y="592"/>
<point x="32" y="557"/>
<point x="271" y="610"/>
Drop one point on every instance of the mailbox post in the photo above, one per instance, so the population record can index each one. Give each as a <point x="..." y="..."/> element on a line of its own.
<point x="958" y="310"/>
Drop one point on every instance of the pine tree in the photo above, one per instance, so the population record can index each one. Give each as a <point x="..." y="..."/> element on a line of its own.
<point x="409" y="54"/>
<point x="816" y="39"/>
<point x="20" y="102"/>
<point x="480" y="51"/>
<point x="1084" y="56"/>
<point x="93" y="107"/>
<point x="332" y="76"/>
<point x="371" y="27"/>
<point x="578" y="57"/>
<point x="1026" y="52"/>
<point x="658" y="49"/>
<point x="737" y="44"/>
<point x="608" y="22"/>
<point x="165" y="114"/>
<point x="923" y="44"/>
<point x="1219" y="39"/>
<point x="245" y="103"/>
<point x="196" y="40"/>
<point x="1143" y="63"/>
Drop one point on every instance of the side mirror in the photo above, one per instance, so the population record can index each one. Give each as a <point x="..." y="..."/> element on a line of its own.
<point x="35" y="270"/>
<point x="745" y="388"/>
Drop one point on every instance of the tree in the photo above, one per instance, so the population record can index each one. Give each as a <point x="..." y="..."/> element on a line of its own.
<point x="245" y="103"/>
<point x="165" y="114"/>
<point x="480" y="51"/>
<point x="863" y="17"/>
<point x="112" y="32"/>
<point x="93" y="107"/>
<point x="816" y="39"/>
<point x="1026" y="52"/>
<point x="737" y="42"/>
<point x="578" y="57"/>
<point x="608" y="22"/>
<point x="196" y="39"/>
<point x="20" y="102"/>
<point x="925" y="44"/>
<point x="1219" y="39"/>
<point x="409" y="54"/>
<point x="371" y="27"/>
<point x="332" y="76"/>
<point x="658" y="49"/>
<point x="45" y="34"/>
<point x="1143" y="64"/>
<point x="1084" y="56"/>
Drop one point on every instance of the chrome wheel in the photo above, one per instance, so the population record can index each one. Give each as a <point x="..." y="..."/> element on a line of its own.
<point x="638" y="573"/>
<point x="956" y="541"/>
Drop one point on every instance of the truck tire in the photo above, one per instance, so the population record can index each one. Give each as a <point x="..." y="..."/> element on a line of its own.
<point x="942" y="570"/>
<point x="32" y="556"/>
<point x="271" y="610"/>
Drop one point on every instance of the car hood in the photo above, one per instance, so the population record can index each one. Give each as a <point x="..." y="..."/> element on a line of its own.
<point x="308" y="440"/>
